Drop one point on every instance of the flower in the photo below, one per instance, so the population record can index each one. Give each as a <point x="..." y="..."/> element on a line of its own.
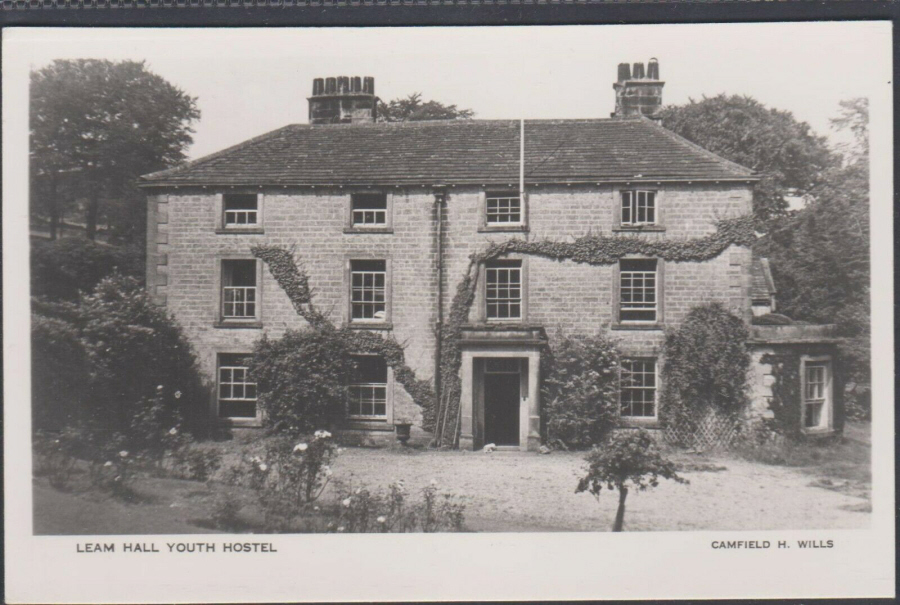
<point x="300" y="447"/>
<point x="381" y="519"/>
<point x="341" y="528"/>
<point x="322" y="434"/>
<point x="346" y="502"/>
<point x="328" y="472"/>
<point x="173" y="431"/>
<point x="123" y="453"/>
<point x="177" y="394"/>
<point x="340" y="450"/>
<point x="159" y="387"/>
<point x="108" y="463"/>
<point x="358" y="490"/>
<point x="263" y="467"/>
<point x="315" y="508"/>
<point x="434" y="482"/>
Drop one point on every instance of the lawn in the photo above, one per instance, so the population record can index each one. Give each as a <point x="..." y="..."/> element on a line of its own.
<point x="814" y="487"/>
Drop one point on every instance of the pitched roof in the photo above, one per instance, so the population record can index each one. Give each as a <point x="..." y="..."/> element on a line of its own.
<point x="456" y="152"/>
<point x="762" y="286"/>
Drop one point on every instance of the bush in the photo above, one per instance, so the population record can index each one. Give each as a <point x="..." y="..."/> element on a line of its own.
<point x="62" y="268"/>
<point x="706" y="365"/>
<point x="580" y="390"/>
<point x="60" y="371"/>
<point x="301" y="379"/>
<point x="629" y="459"/>
<point x="362" y="511"/>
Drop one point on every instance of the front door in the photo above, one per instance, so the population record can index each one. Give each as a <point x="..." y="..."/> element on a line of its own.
<point x="501" y="401"/>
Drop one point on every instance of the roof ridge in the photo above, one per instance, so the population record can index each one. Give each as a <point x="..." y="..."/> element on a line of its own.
<point x="743" y="170"/>
<point x="212" y="156"/>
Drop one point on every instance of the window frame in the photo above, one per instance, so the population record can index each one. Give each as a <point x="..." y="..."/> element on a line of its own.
<point x="826" y="423"/>
<point x="373" y="324"/>
<point x="237" y="322"/>
<point x="627" y="419"/>
<point x="485" y="226"/>
<point x="217" y="399"/>
<point x="387" y="227"/>
<point x="523" y="291"/>
<point x="362" y="419"/>
<point x="618" y="322"/>
<point x="658" y="208"/>
<point x="223" y="228"/>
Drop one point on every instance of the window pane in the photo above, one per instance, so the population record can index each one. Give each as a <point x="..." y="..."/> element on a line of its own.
<point x="237" y="392"/>
<point x="503" y="290"/>
<point x="637" y="290"/>
<point x="369" y="208"/>
<point x="503" y="208"/>
<point x="638" y="382"/>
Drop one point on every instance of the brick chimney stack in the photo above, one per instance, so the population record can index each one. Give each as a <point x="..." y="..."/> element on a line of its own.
<point x="343" y="100"/>
<point x="638" y="93"/>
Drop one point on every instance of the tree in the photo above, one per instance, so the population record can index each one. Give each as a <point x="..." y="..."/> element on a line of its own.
<point x="790" y="157"/>
<point x="95" y="127"/>
<point x="628" y="460"/>
<point x="412" y="109"/>
<point x="820" y="257"/>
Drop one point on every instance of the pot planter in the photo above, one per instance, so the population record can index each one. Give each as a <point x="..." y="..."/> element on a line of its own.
<point x="402" y="429"/>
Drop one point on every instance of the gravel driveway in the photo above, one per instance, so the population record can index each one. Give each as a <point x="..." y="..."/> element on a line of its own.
<point x="517" y="491"/>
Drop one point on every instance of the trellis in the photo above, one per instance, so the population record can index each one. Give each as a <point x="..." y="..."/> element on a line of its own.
<point x="708" y="428"/>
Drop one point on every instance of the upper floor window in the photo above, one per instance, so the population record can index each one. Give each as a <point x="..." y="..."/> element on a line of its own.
<point x="237" y="392"/>
<point x="369" y="210"/>
<point x="503" y="209"/>
<point x="638" y="394"/>
<point x="240" y="209"/>
<point x="368" y="290"/>
<point x="638" y="290"/>
<point x="638" y="208"/>
<point x="239" y="289"/>
<point x="368" y="388"/>
<point x="503" y="290"/>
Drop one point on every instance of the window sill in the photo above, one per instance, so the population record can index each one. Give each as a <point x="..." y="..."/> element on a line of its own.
<point x="241" y="231"/>
<point x="369" y="326"/>
<point x="250" y="423"/>
<point x="639" y="228"/>
<point x="637" y="326"/>
<point x="368" y="229"/>
<point x="253" y="325"/>
<point x="503" y="229"/>
<point x="368" y="425"/>
<point x="818" y="432"/>
<point x="638" y="422"/>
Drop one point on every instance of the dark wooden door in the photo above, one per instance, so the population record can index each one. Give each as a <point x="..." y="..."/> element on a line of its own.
<point x="501" y="409"/>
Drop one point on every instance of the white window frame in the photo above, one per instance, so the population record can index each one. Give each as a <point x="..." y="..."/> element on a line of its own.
<point x="372" y="385"/>
<point x="500" y="198"/>
<point x="639" y="306"/>
<point x="245" y="383"/>
<point x="385" y="289"/>
<point x="508" y="300"/>
<point x="236" y="212"/>
<point x="244" y="291"/>
<point x="826" y="415"/>
<point x="363" y="212"/>
<point x="655" y="388"/>
<point x="634" y="205"/>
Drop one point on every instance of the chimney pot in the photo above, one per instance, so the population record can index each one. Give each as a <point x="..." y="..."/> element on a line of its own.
<point x="369" y="85"/>
<point x="318" y="86"/>
<point x="637" y="72"/>
<point x="356" y="84"/>
<point x="653" y="69"/>
<point x="624" y="72"/>
<point x="330" y="86"/>
<point x="343" y="85"/>
<point x="343" y="100"/>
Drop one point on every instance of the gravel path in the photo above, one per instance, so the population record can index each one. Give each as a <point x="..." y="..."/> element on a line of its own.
<point x="516" y="491"/>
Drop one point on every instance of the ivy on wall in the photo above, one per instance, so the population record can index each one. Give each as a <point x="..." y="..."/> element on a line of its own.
<point x="444" y="420"/>
<point x="589" y="249"/>
<point x="295" y="284"/>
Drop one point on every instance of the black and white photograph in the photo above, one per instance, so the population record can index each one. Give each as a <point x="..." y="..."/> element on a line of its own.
<point x="499" y="280"/>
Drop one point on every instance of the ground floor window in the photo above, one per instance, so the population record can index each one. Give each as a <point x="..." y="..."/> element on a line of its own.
<point x="638" y="388"/>
<point x="237" y="393"/>
<point x="368" y="389"/>
<point x="816" y="412"/>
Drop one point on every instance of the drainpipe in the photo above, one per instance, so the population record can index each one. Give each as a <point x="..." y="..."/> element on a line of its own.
<point x="440" y="198"/>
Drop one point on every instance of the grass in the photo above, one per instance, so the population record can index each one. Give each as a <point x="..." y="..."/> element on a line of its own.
<point x="814" y="487"/>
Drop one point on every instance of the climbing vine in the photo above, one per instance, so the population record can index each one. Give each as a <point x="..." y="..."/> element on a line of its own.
<point x="295" y="283"/>
<point x="444" y="420"/>
<point x="589" y="249"/>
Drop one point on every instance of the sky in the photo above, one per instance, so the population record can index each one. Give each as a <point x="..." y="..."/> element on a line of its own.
<point x="251" y="81"/>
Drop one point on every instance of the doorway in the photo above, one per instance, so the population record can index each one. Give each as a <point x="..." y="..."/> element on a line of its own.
<point x="502" y="391"/>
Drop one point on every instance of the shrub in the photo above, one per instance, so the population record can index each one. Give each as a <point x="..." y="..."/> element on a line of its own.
<point x="197" y="465"/>
<point x="363" y="511"/>
<point x="629" y="459"/>
<point x="62" y="268"/>
<point x="55" y="457"/>
<point x="225" y="513"/>
<point x="61" y="373"/>
<point x="706" y="365"/>
<point x="301" y="379"/>
<point x="580" y="390"/>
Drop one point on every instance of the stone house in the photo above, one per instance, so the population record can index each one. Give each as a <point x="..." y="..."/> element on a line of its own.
<point x="385" y="217"/>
